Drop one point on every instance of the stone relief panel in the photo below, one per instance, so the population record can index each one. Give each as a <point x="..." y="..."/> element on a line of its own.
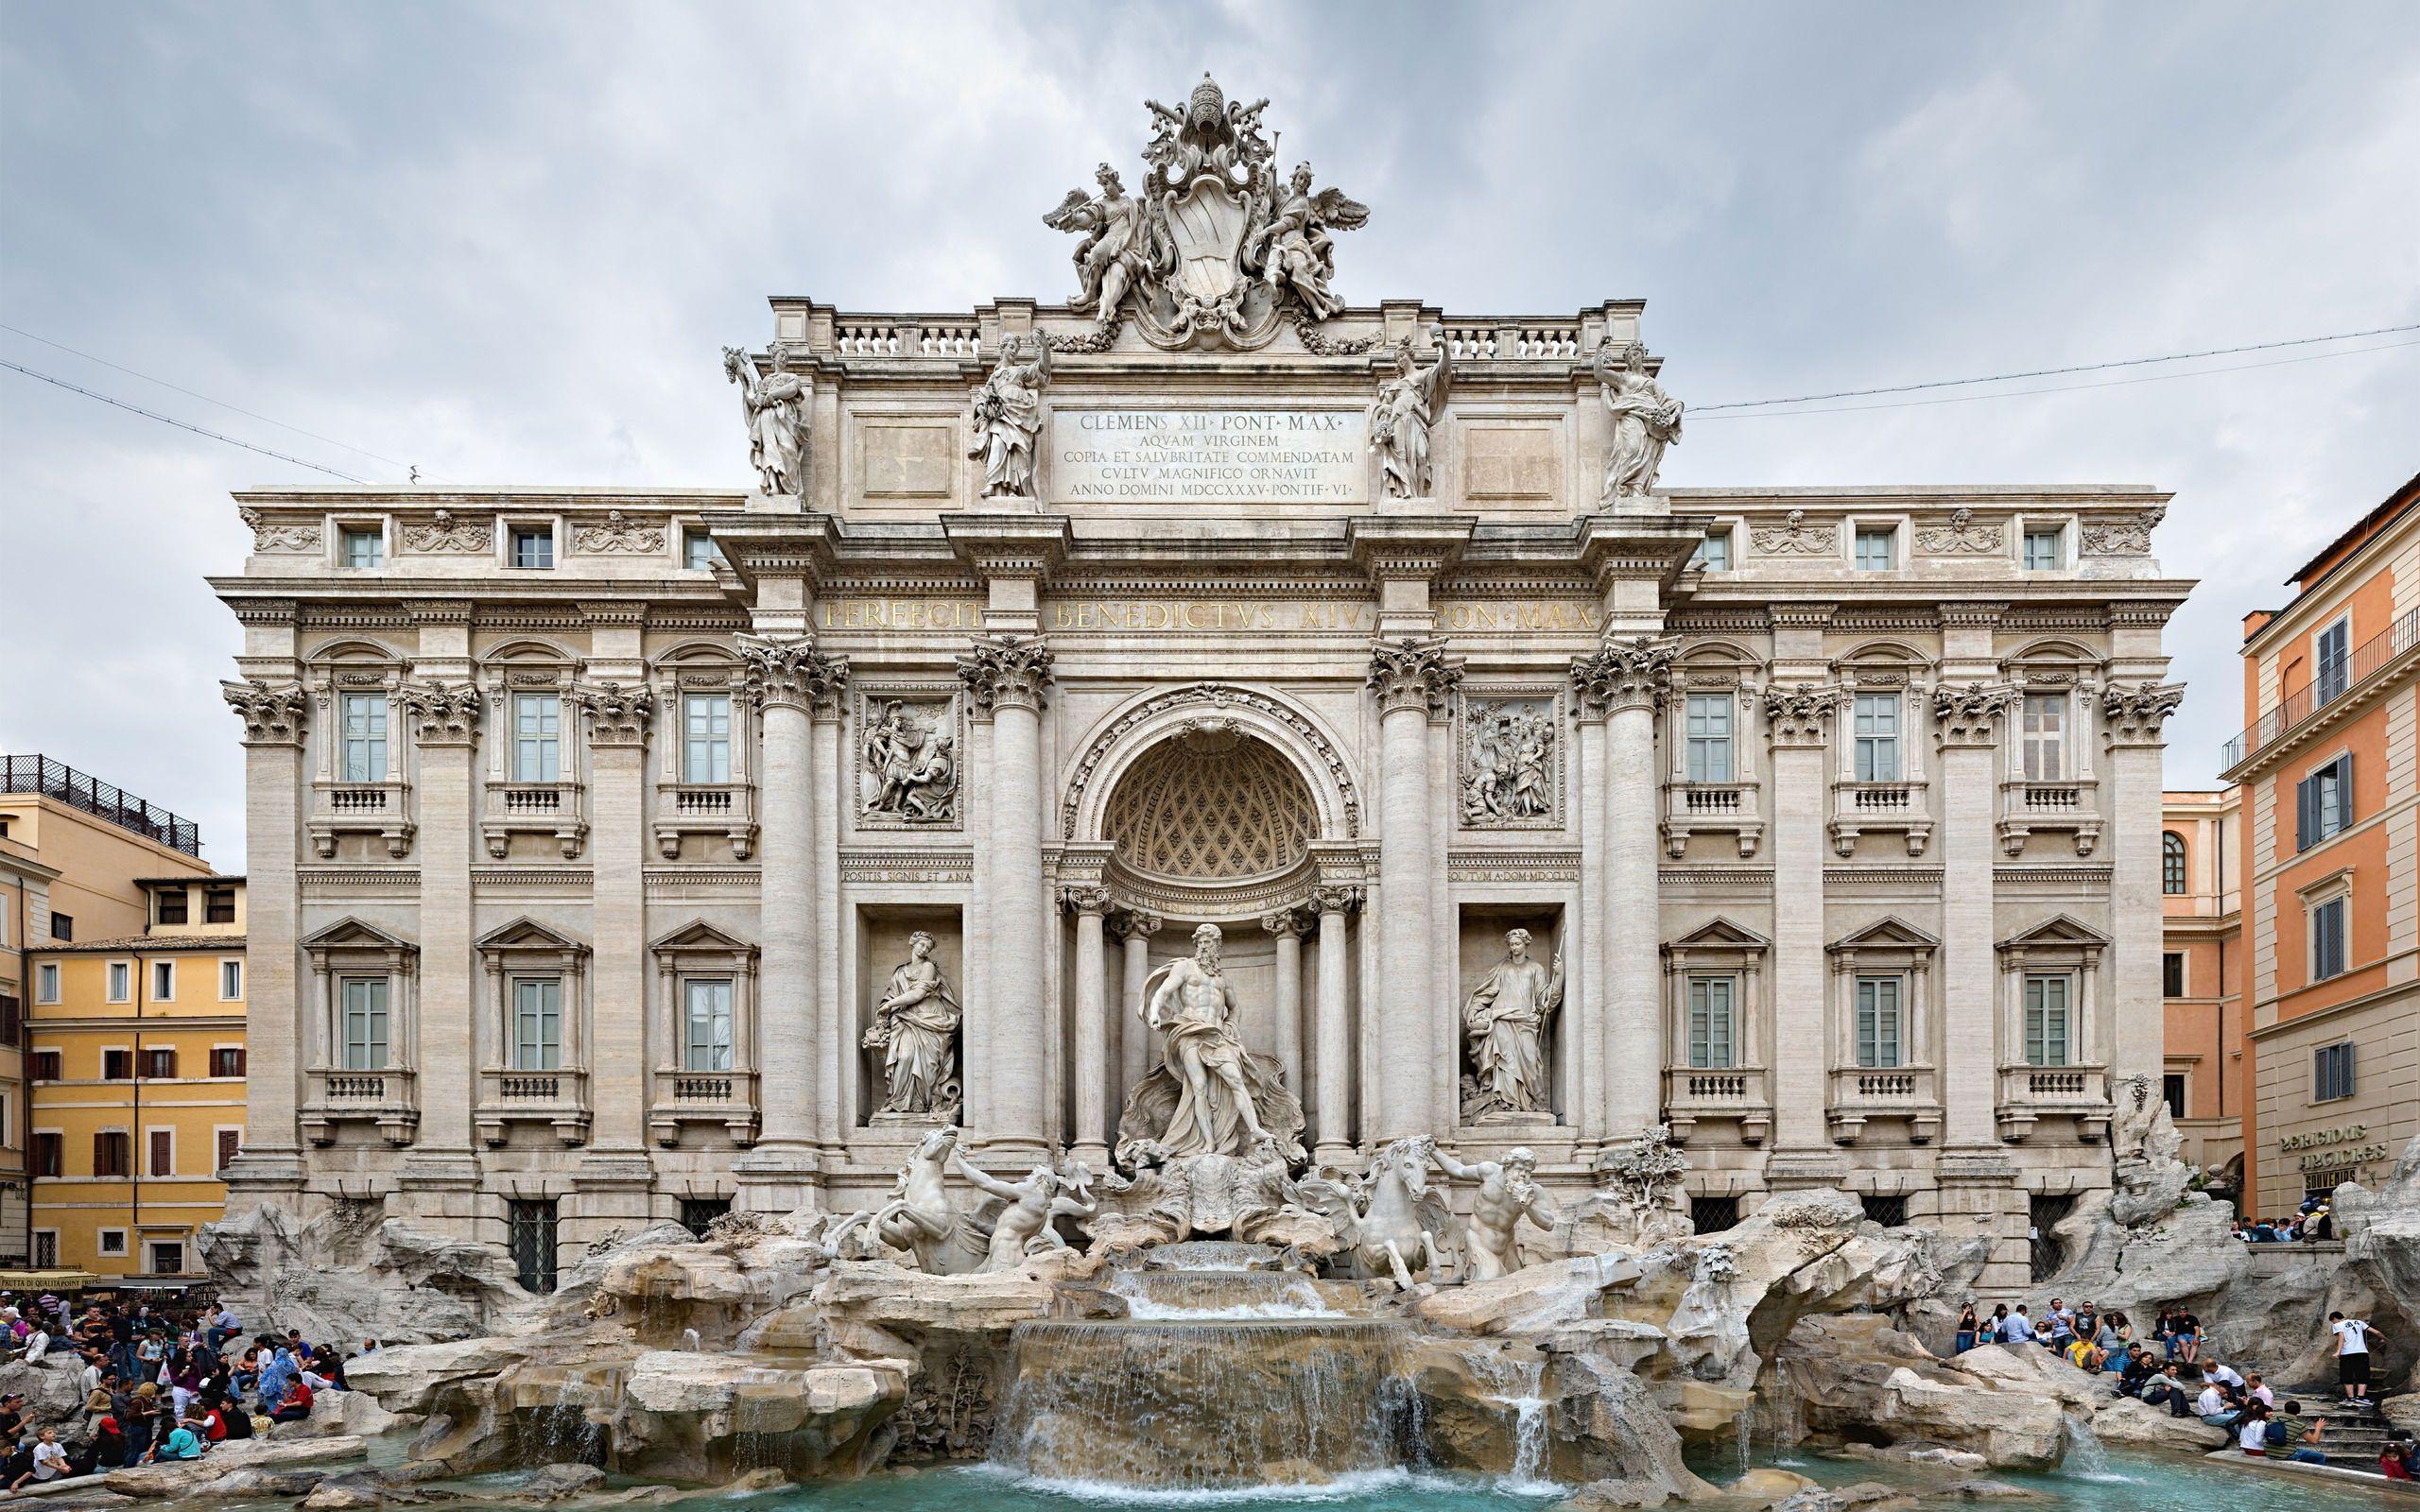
<point x="283" y="537"/>
<point x="910" y="744"/>
<point x="1960" y="537"/>
<point x="1509" y="760"/>
<point x="617" y="534"/>
<point x="1794" y="537"/>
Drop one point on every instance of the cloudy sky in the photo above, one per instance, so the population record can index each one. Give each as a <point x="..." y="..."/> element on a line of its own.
<point x="504" y="243"/>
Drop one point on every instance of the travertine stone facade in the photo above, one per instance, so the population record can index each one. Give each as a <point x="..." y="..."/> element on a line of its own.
<point x="1851" y="873"/>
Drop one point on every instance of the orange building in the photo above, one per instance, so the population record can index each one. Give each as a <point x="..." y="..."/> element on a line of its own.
<point x="2201" y="973"/>
<point x="2331" y="865"/>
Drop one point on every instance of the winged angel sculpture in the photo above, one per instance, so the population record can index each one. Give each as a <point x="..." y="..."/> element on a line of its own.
<point x="1215" y="245"/>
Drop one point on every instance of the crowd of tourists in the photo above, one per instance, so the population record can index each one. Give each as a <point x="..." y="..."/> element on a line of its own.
<point x="2311" y="1223"/>
<point x="2170" y="1366"/>
<point x="160" y="1382"/>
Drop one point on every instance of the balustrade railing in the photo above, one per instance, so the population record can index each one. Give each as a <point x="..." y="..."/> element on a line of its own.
<point x="2333" y="680"/>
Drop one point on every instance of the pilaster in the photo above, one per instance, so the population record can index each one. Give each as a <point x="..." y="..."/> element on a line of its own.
<point x="2133" y="719"/>
<point x="1798" y="723"/>
<point x="444" y="722"/>
<point x="1966" y="722"/>
<point x="271" y="1164"/>
<point x="616" y="1041"/>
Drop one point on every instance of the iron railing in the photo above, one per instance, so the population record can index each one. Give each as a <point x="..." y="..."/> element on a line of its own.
<point x="64" y="783"/>
<point x="2331" y="681"/>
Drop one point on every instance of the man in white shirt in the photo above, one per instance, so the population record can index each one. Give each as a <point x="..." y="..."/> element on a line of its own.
<point x="2352" y="1355"/>
<point x="2224" y="1374"/>
<point x="2018" y="1328"/>
<point x="2212" y="1405"/>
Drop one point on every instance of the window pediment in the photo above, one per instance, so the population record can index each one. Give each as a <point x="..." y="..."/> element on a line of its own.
<point x="1884" y="936"/>
<point x="1719" y="937"/>
<point x="354" y="934"/>
<point x="698" y="937"/>
<point x="526" y="933"/>
<point x="2060" y="932"/>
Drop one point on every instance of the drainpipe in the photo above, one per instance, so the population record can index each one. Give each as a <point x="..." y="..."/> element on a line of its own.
<point x="24" y="1050"/>
<point x="134" y="1140"/>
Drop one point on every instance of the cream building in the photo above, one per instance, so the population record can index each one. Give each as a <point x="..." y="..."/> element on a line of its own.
<point x="590" y="830"/>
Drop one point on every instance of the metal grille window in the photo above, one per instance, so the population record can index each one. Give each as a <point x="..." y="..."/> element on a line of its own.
<point x="46" y="1248"/>
<point x="1714" y="1214"/>
<point x="364" y="548"/>
<point x="364" y="1029"/>
<point x="1874" y="553"/>
<point x="2327" y="939"/>
<point x="1708" y="721"/>
<point x="533" y="1242"/>
<point x="1712" y="1040"/>
<point x="2045" y="1214"/>
<point x="1879" y="1015"/>
<point x="699" y="1214"/>
<point x="2045" y="737"/>
<point x="534" y="546"/>
<point x="1889" y="1208"/>
<point x="1877" y="732"/>
<point x="2042" y="550"/>
<point x="705" y="737"/>
<point x="2171" y="864"/>
<point x="537" y="737"/>
<point x="2332" y="661"/>
<point x="363" y="738"/>
<point x="708" y="1039"/>
<point x="2050" y="1038"/>
<point x="2331" y="1072"/>
<point x="537" y="1023"/>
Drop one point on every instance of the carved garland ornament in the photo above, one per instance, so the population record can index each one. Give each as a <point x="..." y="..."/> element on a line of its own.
<point x="271" y="715"/>
<point x="447" y="536"/>
<point x="271" y="536"/>
<point x="1960" y="538"/>
<point x="1794" y="537"/>
<point x="2123" y="537"/>
<point x="618" y="537"/>
<point x="1215" y="695"/>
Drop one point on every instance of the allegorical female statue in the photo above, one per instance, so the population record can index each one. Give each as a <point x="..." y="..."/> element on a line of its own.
<point x="1008" y="415"/>
<point x="1646" y="420"/>
<point x="775" y="407"/>
<point x="1399" y="420"/>
<point x="915" y="1026"/>
<point x="1505" y="1020"/>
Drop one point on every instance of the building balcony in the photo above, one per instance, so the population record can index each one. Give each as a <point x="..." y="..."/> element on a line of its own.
<point x="1738" y="1094"/>
<point x="557" y="1098"/>
<point x="386" y="1098"/>
<point x="383" y="808"/>
<point x="1713" y="807"/>
<point x="685" y="1097"/>
<point x="2069" y="806"/>
<point x="728" y="809"/>
<point x="559" y="808"/>
<point x="1898" y="807"/>
<point x="2030" y="1093"/>
<point x="1859" y="1095"/>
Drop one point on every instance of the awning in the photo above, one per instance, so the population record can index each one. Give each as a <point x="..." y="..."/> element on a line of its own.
<point x="47" y="1280"/>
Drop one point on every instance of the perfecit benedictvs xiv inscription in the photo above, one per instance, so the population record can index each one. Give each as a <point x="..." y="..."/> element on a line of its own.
<point x="1209" y="456"/>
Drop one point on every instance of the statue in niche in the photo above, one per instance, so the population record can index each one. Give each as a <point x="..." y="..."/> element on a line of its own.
<point x="1508" y="1192"/>
<point x="1505" y="1018"/>
<point x="1646" y="420"/>
<point x="1008" y="415"/>
<point x="775" y="409"/>
<point x="911" y="760"/>
<point x="915" y="1026"/>
<point x="1122" y="248"/>
<point x="1209" y="1095"/>
<point x="1023" y="1226"/>
<point x="1399" y="420"/>
<point x="1506" y="768"/>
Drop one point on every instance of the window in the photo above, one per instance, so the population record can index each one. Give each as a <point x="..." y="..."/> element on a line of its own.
<point x="698" y="552"/>
<point x="227" y="1060"/>
<point x="2331" y="1072"/>
<point x="162" y="1159"/>
<point x="707" y="1038"/>
<point x="705" y="737"/>
<point x="167" y="1257"/>
<point x="532" y="1226"/>
<point x="48" y="1065"/>
<point x="231" y="981"/>
<point x="2331" y="661"/>
<point x="1708" y="720"/>
<point x="1889" y="1208"/>
<point x="532" y="547"/>
<point x="47" y="984"/>
<point x="537" y="1023"/>
<point x="110" y="1241"/>
<point x="1713" y="1044"/>
<point x="63" y="927"/>
<point x="218" y="905"/>
<point x="172" y="905"/>
<point x="537" y="737"/>
<point x="363" y="547"/>
<point x="2324" y="802"/>
<point x="2050" y="1038"/>
<point x="364" y="1026"/>
<point x="1874" y="553"/>
<point x="46" y="1249"/>
<point x="117" y="1065"/>
<point x="121" y="981"/>
<point x="231" y="1145"/>
<point x="12" y="1021"/>
<point x="2327" y="939"/>
<point x="2045" y="737"/>
<point x="50" y="1153"/>
<point x="2171" y="1091"/>
<point x="1878" y="1021"/>
<point x="699" y="1214"/>
<point x="1714" y="1214"/>
<point x="1714" y="552"/>
<point x="2042" y="550"/>
<point x="2043" y="1217"/>
<point x="164" y="980"/>
<point x="363" y="739"/>
<point x="109" y="1152"/>
<point x="2171" y="973"/>
<point x="1877" y="732"/>
<point x="159" y="1065"/>
<point x="2171" y="864"/>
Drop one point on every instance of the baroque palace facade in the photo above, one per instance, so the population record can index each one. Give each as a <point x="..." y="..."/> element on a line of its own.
<point x="618" y="854"/>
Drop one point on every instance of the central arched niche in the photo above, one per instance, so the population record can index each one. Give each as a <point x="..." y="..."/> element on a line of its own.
<point x="1210" y="806"/>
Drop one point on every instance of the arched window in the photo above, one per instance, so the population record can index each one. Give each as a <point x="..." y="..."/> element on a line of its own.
<point x="2171" y="862"/>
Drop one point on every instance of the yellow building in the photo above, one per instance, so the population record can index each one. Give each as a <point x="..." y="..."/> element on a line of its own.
<point x="137" y="1068"/>
<point x="72" y="848"/>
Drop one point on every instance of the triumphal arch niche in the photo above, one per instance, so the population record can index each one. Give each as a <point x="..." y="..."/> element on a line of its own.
<point x="1203" y="719"/>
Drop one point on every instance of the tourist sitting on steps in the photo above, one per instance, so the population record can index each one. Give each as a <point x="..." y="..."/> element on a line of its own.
<point x="2252" y="1437"/>
<point x="2290" y="1436"/>
<point x="1968" y="1328"/>
<point x="2215" y="1405"/>
<point x="295" y="1404"/>
<point x="2017" y="1328"/>
<point x="2167" y="1389"/>
<point x="2400" y="1456"/>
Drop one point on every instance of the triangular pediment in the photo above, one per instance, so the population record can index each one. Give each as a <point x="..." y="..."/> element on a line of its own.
<point x="1721" y="934"/>
<point x="2059" y="929"/>
<point x="527" y="934"/>
<point x="1886" y="934"/>
<point x="350" y="931"/>
<point x="698" y="935"/>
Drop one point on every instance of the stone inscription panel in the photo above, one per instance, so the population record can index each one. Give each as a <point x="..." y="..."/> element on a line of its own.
<point x="1209" y="456"/>
<point x="945" y="615"/>
<point x="1238" y="616"/>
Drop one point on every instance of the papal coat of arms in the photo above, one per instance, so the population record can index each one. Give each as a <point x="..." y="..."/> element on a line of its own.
<point x="1216" y="247"/>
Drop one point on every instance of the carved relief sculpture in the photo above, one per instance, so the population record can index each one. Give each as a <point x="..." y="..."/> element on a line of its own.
<point x="1646" y="420"/>
<point x="2122" y="537"/>
<point x="1508" y="776"/>
<point x="444" y="535"/>
<point x="1007" y="415"/>
<point x="774" y="407"/>
<point x="1960" y="537"/>
<point x="915" y="1028"/>
<point x="907" y="769"/>
<point x="282" y="537"/>
<point x="1794" y="537"/>
<point x="1399" y="420"/>
<point x="1505" y="1018"/>
<point x="618" y="535"/>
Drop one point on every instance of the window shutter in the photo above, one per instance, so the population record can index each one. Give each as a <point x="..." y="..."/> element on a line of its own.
<point x="2345" y="791"/>
<point x="2344" y="1069"/>
<point x="2303" y="805"/>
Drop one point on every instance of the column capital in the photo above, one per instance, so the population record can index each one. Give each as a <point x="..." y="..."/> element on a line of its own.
<point x="617" y="715"/>
<point x="1968" y="713"/>
<point x="1799" y="715"/>
<point x="272" y="712"/>
<point x="1007" y="672"/>
<point x="1635" y="673"/>
<point x="1136" y="923"/>
<point x="1084" y="900"/>
<point x="788" y="671"/>
<point x="1336" y="897"/>
<point x="1413" y="674"/>
<point x="442" y="715"/>
<point x="2136" y="713"/>
<point x="1285" y="922"/>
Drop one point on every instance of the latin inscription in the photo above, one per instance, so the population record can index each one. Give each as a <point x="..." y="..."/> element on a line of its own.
<point x="1234" y="616"/>
<point x="949" y="614"/>
<point x="1485" y="615"/>
<point x="1209" y="456"/>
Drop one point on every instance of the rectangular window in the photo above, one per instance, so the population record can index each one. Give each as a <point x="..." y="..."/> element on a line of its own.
<point x="46" y="1249"/>
<point x="2327" y="939"/>
<point x="2332" y="662"/>
<point x="63" y="927"/>
<point x="2171" y="974"/>
<point x="45" y="983"/>
<point x="532" y="1235"/>
<point x="231" y="1145"/>
<point x="218" y="905"/>
<point x="363" y="738"/>
<point x="2050" y="1031"/>
<point x="2331" y="1072"/>
<point x="49" y="1065"/>
<point x="699" y="1214"/>
<point x="537" y="737"/>
<point x="1714" y="552"/>
<point x="164" y="1152"/>
<point x="1714" y="1214"/>
<point x="1713" y="1043"/>
<point x="164" y="980"/>
<point x="227" y="1060"/>
<point x="1708" y="717"/>
<point x="50" y="1153"/>
<point x="2044" y="737"/>
<point x="364" y="1026"/>
<point x="1889" y="1208"/>
<point x="159" y="1065"/>
<point x="1879" y="1021"/>
<point x="121" y="982"/>
<point x="2042" y="550"/>
<point x="12" y="1021"/>
<point x="1874" y="553"/>
<point x="1877" y="733"/>
<point x="110" y="1241"/>
<point x="2171" y="1091"/>
<point x="172" y="905"/>
<point x="364" y="548"/>
<point x="231" y="981"/>
<point x="167" y="1257"/>
<point x="2324" y="802"/>
<point x="537" y="1023"/>
<point x="117" y="1065"/>
<point x="534" y="546"/>
<point x="707" y="1040"/>
<point x="697" y="550"/>
<point x="705" y="737"/>
<point x="111" y="1153"/>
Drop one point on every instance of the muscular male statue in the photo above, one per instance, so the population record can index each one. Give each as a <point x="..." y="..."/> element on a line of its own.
<point x="1507" y="1193"/>
<point x="1195" y="1008"/>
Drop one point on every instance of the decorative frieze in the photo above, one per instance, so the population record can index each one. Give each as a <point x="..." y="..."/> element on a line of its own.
<point x="444" y="535"/>
<point x="1007" y="672"/>
<point x="282" y="537"/>
<point x="1623" y="674"/>
<point x="2122" y="537"/>
<point x="1794" y="537"/>
<point x="1413" y="674"/>
<point x="1559" y="866"/>
<point x="272" y="714"/>
<point x="1960" y="537"/>
<point x="789" y="671"/>
<point x="619" y="536"/>
<point x="942" y="867"/>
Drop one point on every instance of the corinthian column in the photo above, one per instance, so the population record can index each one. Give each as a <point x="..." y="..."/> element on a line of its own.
<point x="1092" y="1025"/>
<point x="1624" y="683"/>
<point x="1135" y="928"/>
<point x="1414" y="681"/>
<point x="1334" y="902"/>
<point x="1967" y="721"/>
<point x="1287" y="925"/>
<point x="2134" y="718"/>
<point x="791" y="684"/>
<point x="1006" y="677"/>
<point x="271" y="1157"/>
<point x="617" y="719"/>
<point x="1798" y="720"/>
<point x="445" y="730"/>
